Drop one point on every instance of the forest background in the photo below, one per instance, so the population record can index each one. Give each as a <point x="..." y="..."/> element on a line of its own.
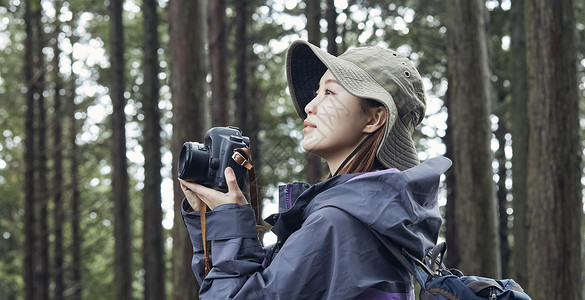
<point x="97" y="97"/>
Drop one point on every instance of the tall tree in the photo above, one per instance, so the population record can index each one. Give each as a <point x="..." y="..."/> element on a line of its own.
<point x="246" y="115"/>
<point x="499" y="60"/>
<point x="216" y="20"/>
<point x="153" y="241"/>
<point x="241" y="66"/>
<point x="120" y="181"/>
<point x="554" y="202"/>
<point x="450" y="227"/>
<point x="519" y="129"/>
<point x="331" y="16"/>
<point x="314" y="165"/>
<point x="29" y="206"/>
<point x="469" y="95"/>
<point x="74" y="213"/>
<point x="41" y="180"/>
<point x="502" y="191"/>
<point x="58" y="209"/>
<point x="75" y="198"/>
<point x="188" y="73"/>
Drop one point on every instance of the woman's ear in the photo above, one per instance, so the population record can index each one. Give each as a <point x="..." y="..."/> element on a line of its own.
<point x="376" y="119"/>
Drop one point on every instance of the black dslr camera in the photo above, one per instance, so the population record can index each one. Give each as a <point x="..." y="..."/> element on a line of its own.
<point x="205" y="163"/>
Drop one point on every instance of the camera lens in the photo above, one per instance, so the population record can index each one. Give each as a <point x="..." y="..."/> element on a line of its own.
<point x="193" y="162"/>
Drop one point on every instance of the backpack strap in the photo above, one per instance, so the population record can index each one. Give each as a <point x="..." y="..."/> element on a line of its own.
<point x="406" y="260"/>
<point x="438" y="254"/>
<point x="395" y="252"/>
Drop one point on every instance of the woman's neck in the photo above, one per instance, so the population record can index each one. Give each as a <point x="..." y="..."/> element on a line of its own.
<point x="335" y="164"/>
<point x="342" y="158"/>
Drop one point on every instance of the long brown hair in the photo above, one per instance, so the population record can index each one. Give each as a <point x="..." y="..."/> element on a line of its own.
<point x="364" y="159"/>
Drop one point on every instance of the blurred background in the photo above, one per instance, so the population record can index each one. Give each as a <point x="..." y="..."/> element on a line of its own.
<point x="97" y="97"/>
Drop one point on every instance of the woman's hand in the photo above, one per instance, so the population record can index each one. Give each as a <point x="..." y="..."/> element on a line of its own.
<point x="195" y="193"/>
<point x="191" y="196"/>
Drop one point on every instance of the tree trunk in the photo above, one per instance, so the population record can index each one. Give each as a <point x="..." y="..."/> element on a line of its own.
<point x="120" y="184"/>
<point x="241" y="66"/>
<point x="554" y="202"/>
<point x="502" y="191"/>
<point x="42" y="198"/>
<point x="153" y="238"/>
<point x="29" y="154"/>
<point x="314" y="167"/>
<point x="58" y="210"/>
<point x="469" y="95"/>
<point x="187" y="80"/>
<point x="452" y="258"/>
<point x="245" y="116"/>
<point x="216" y="20"/>
<point x="519" y="129"/>
<point x="76" y="238"/>
<point x="331" y="16"/>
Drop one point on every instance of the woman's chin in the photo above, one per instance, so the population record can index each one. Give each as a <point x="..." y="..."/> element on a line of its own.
<point x="308" y="144"/>
<point x="305" y="145"/>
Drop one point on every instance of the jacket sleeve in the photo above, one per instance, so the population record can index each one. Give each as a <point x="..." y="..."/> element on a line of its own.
<point x="321" y="260"/>
<point x="236" y="251"/>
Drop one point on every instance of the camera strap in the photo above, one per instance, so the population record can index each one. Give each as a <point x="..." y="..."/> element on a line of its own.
<point x="243" y="157"/>
<point x="206" y="243"/>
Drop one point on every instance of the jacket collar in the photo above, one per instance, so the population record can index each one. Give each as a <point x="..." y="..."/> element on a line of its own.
<point x="294" y="198"/>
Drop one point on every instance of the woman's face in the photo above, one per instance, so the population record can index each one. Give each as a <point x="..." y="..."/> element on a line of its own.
<point x="335" y="123"/>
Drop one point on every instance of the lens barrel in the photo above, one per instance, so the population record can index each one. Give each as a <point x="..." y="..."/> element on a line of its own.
<point x="194" y="162"/>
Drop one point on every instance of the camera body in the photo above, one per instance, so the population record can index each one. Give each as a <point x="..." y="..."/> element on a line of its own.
<point x="205" y="163"/>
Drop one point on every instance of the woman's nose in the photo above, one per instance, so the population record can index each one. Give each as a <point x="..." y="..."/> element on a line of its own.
<point x="311" y="107"/>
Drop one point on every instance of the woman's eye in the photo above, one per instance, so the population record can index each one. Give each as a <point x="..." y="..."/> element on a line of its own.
<point x="327" y="92"/>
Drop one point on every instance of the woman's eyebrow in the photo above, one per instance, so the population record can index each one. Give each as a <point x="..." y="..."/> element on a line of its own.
<point x="332" y="81"/>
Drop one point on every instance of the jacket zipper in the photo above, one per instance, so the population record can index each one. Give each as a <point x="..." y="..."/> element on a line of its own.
<point x="288" y="195"/>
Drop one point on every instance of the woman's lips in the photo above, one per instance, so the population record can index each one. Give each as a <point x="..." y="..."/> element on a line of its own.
<point x="308" y="127"/>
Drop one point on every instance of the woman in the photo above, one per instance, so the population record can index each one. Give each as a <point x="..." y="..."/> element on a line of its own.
<point x="360" y="110"/>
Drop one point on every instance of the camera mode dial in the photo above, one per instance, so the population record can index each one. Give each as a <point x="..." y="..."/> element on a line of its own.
<point x="236" y="138"/>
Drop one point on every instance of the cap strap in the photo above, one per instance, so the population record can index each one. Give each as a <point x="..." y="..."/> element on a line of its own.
<point x="348" y="158"/>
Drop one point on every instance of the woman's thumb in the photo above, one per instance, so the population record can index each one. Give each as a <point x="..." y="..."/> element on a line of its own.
<point x="230" y="178"/>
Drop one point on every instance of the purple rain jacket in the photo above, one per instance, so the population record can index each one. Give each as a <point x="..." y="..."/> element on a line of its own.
<point x="324" y="249"/>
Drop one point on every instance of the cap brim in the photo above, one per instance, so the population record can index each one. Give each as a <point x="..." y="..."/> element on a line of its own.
<point x="303" y="72"/>
<point x="306" y="64"/>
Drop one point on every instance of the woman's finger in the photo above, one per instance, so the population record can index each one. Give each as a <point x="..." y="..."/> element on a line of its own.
<point x="234" y="192"/>
<point x="206" y="194"/>
<point x="232" y="182"/>
<point x="214" y="198"/>
<point x="183" y="186"/>
<point x="186" y="185"/>
<point x="191" y="196"/>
